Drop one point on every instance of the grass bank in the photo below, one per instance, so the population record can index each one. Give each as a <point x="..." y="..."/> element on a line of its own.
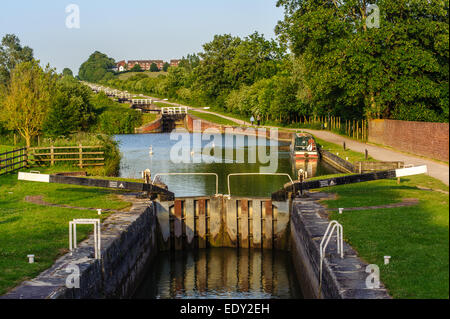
<point x="212" y="118"/>
<point x="27" y="228"/>
<point x="416" y="237"/>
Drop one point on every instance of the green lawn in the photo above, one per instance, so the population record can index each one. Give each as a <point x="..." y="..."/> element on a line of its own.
<point x="339" y="149"/>
<point x="27" y="228"/>
<point x="416" y="237"/>
<point x="148" y="118"/>
<point x="212" y="118"/>
<point x="162" y="104"/>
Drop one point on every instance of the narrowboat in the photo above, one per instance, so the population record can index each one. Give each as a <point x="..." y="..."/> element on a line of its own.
<point x="304" y="147"/>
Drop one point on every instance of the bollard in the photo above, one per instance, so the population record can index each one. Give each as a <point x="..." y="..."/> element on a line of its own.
<point x="30" y="259"/>
<point x="341" y="210"/>
<point x="99" y="211"/>
<point x="387" y="260"/>
<point x="367" y="155"/>
<point x="345" y="146"/>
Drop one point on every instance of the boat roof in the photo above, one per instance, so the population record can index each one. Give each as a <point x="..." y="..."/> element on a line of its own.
<point x="303" y="135"/>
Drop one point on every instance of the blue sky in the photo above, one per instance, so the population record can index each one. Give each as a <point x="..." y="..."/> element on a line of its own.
<point x="132" y="29"/>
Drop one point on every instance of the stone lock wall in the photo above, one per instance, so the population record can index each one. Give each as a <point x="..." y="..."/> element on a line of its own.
<point x="128" y="242"/>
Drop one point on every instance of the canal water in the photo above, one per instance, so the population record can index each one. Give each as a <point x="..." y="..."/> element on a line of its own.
<point x="223" y="273"/>
<point x="221" y="159"/>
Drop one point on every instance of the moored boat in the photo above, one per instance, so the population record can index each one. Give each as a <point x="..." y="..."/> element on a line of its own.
<point x="304" y="147"/>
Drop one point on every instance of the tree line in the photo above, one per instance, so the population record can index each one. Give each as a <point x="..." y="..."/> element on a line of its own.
<point x="326" y="61"/>
<point x="38" y="101"/>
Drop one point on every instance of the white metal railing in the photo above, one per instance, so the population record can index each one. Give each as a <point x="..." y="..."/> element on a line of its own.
<point x="332" y="226"/>
<point x="191" y="174"/>
<point x="141" y="101"/>
<point x="255" y="174"/>
<point x="97" y="235"/>
<point x="174" y="110"/>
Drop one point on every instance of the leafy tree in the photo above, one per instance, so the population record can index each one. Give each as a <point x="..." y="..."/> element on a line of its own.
<point x="11" y="54"/>
<point x="27" y="99"/>
<point x="154" y="68"/>
<point x="96" y="68"/>
<point x="190" y="62"/>
<point x="71" y="109"/>
<point x="67" y="72"/>
<point x="166" y="67"/>
<point x="396" y="71"/>
<point x="136" y="68"/>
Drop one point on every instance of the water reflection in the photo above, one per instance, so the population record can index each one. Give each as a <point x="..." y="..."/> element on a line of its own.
<point x="221" y="273"/>
<point x="136" y="158"/>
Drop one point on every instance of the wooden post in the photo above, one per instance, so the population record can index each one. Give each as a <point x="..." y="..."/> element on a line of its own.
<point x="398" y="179"/>
<point x="80" y="148"/>
<point x="52" y="156"/>
<point x="367" y="155"/>
<point x="345" y="146"/>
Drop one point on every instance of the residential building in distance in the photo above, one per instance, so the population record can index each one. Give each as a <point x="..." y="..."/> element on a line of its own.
<point x="174" y="63"/>
<point x="121" y="66"/>
<point x="145" y="64"/>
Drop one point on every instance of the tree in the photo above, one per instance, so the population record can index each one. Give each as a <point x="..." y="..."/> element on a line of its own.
<point x="71" y="109"/>
<point x="11" y="54"/>
<point x="67" y="72"/>
<point x="96" y="68"/>
<point x="154" y="68"/>
<point x="136" y="68"/>
<point x="27" y="99"/>
<point x="166" y="67"/>
<point x="398" y="70"/>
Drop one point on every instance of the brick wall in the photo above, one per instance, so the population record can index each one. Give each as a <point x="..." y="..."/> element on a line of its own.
<point x="421" y="138"/>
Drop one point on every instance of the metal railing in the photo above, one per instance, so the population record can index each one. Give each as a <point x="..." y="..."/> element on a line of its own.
<point x="332" y="226"/>
<point x="255" y="174"/>
<point x="141" y="101"/>
<point x="174" y="110"/>
<point x="190" y="174"/>
<point x="97" y="235"/>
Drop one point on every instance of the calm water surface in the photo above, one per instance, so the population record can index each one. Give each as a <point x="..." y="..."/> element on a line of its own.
<point x="224" y="273"/>
<point x="136" y="158"/>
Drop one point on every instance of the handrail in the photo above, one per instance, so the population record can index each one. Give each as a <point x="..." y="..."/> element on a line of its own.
<point x="334" y="225"/>
<point x="97" y="234"/>
<point x="191" y="174"/>
<point x="255" y="174"/>
<point x="174" y="110"/>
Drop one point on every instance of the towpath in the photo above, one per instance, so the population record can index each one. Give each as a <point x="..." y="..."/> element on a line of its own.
<point x="435" y="169"/>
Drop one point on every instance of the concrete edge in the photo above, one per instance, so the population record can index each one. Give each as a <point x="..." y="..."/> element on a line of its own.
<point x="342" y="278"/>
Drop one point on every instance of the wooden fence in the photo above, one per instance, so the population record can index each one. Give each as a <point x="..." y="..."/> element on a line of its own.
<point x="355" y="129"/>
<point x="13" y="160"/>
<point x="94" y="156"/>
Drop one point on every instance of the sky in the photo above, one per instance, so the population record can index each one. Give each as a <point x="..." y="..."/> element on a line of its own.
<point x="132" y="29"/>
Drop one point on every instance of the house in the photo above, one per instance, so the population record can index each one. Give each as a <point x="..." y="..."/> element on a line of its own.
<point x="122" y="66"/>
<point x="145" y="64"/>
<point x="174" y="63"/>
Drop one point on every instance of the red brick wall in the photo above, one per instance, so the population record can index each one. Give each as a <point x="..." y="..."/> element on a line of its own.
<point x="421" y="138"/>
